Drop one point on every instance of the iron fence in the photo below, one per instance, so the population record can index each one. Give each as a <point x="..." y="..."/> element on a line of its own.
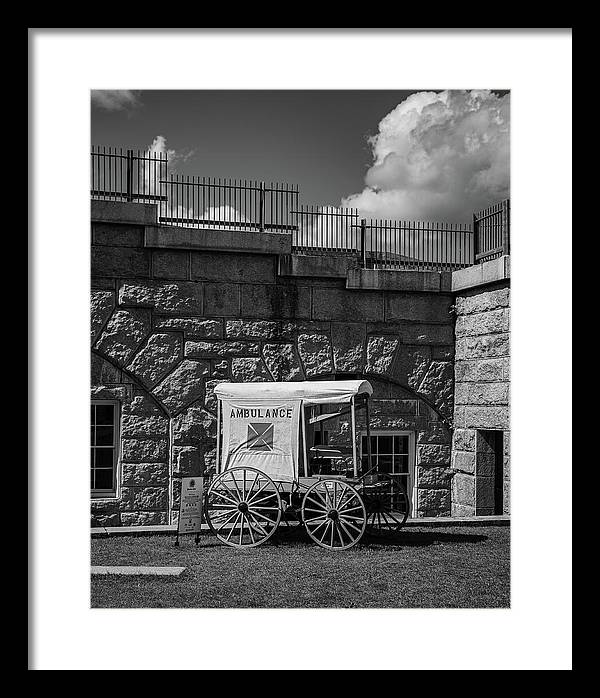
<point x="228" y="204"/>
<point x="326" y="229"/>
<point x="127" y="175"/>
<point x="424" y="245"/>
<point x="491" y="229"/>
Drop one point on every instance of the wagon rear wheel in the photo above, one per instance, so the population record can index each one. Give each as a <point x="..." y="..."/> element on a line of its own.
<point x="243" y="507"/>
<point x="334" y="514"/>
<point x="386" y="502"/>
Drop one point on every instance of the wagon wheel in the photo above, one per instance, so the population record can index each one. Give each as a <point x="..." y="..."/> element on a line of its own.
<point x="386" y="502"/>
<point x="334" y="514"/>
<point x="243" y="507"/>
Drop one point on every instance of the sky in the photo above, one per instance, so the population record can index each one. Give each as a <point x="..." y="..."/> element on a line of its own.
<point x="413" y="154"/>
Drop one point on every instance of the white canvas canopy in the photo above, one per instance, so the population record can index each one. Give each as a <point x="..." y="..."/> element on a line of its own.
<point x="310" y="392"/>
<point x="261" y="421"/>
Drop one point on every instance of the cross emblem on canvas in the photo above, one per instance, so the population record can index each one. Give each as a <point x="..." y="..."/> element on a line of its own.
<point x="260" y="437"/>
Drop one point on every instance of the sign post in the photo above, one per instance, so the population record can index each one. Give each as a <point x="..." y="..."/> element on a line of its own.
<point x="190" y="507"/>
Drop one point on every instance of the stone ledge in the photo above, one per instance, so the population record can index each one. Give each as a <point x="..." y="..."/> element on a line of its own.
<point x="123" y="212"/>
<point x="315" y="265"/>
<point x="399" y="280"/>
<point x="432" y="521"/>
<point x="212" y="239"/>
<point x="481" y="274"/>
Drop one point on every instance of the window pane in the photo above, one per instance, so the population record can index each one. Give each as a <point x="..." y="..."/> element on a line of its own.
<point x="385" y="464"/>
<point x="385" y="444"/>
<point x="105" y="414"/>
<point x="401" y="463"/>
<point x="404" y="479"/>
<point x="373" y="444"/>
<point x="104" y="436"/>
<point x="93" y="415"/>
<point x="92" y="435"/>
<point x="104" y="457"/>
<point x="363" y="444"/>
<point x="104" y="479"/>
<point x="401" y="444"/>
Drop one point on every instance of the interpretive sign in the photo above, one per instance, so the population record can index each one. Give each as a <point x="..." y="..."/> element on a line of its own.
<point x="190" y="506"/>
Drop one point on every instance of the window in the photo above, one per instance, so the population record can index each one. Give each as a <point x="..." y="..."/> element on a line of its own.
<point x="104" y="449"/>
<point x="393" y="453"/>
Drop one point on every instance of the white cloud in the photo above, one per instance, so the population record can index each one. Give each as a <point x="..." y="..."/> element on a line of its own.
<point x="116" y="100"/>
<point x="175" y="157"/>
<point x="438" y="156"/>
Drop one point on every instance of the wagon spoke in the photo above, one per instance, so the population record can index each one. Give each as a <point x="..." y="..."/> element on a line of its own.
<point x="389" y="513"/>
<point x="260" y="516"/>
<point x="220" y="494"/>
<point x="328" y="523"/>
<point x="253" y="503"/>
<point x="237" y="488"/>
<point x="233" y="527"/>
<point x="351" y="518"/>
<point x="321" y="504"/>
<point x="252" y="486"/>
<point x="250" y="532"/>
<point x="316" y="528"/>
<point x="346" y="511"/>
<point x="352" y="526"/>
<point x="342" y="525"/>
<point x="260" y="527"/>
<point x="243" y="519"/>
<point x="343" y="496"/>
<point x="338" y="529"/>
<point x="230" y="517"/>
<point x="386" y="515"/>
<point x="249" y="501"/>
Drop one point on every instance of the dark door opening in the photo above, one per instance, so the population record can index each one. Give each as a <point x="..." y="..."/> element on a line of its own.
<point x="498" y="445"/>
<point x="490" y="472"/>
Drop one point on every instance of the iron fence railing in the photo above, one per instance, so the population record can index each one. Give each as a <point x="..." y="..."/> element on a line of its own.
<point x="388" y="244"/>
<point x="491" y="231"/>
<point x="226" y="204"/>
<point x="127" y="175"/>
<point x="326" y="229"/>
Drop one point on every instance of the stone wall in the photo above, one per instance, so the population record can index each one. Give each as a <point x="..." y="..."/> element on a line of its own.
<point x="482" y="381"/>
<point x="168" y="324"/>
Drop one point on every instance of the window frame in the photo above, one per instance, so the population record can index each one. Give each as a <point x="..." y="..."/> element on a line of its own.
<point x="113" y="493"/>
<point x="412" y="453"/>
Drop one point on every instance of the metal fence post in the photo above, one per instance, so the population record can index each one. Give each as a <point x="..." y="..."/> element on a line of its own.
<point x="363" y="242"/>
<point x="506" y="227"/>
<point x="475" y="238"/>
<point x="129" y="184"/>
<point x="261" y="208"/>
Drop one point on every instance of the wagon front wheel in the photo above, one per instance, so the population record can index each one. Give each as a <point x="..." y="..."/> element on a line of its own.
<point x="334" y="514"/>
<point x="243" y="507"/>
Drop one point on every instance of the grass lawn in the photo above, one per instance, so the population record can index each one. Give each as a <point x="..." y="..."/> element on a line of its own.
<point x="450" y="567"/>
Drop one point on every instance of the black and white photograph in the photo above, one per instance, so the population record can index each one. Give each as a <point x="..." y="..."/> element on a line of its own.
<point x="299" y="359"/>
<point x="307" y="317"/>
